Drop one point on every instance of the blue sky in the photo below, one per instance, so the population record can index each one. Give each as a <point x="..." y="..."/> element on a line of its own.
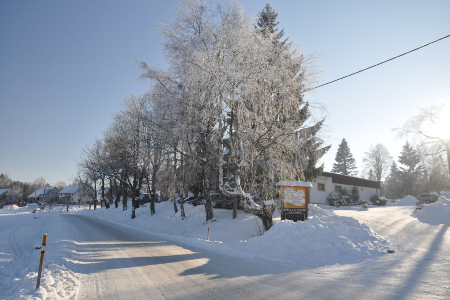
<point x="66" y="66"/>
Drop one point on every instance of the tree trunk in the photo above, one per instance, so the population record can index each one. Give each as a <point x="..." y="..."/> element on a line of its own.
<point x="124" y="193"/>
<point x="153" y="193"/>
<point x="103" y="192"/>
<point x="183" y="196"/>
<point x="264" y="211"/>
<point x="207" y="194"/>
<point x="110" y="192"/>
<point x="95" y="194"/>
<point x="118" y="193"/>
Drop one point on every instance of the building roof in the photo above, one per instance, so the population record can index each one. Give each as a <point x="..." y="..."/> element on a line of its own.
<point x="2" y="191"/>
<point x="350" y="180"/>
<point x="71" y="189"/>
<point x="295" y="183"/>
<point x="41" y="191"/>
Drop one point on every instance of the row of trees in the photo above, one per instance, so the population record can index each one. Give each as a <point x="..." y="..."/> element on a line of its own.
<point x="227" y="116"/>
<point x="421" y="168"/>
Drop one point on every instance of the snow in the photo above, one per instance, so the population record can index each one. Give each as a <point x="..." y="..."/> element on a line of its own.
<point x="295" y="183"/>
<point x="407" y="201"/>
<point x="437" y="213"/>
<point x="331" y="237"/>
<point x="71" y="189"/>
<point x="41" y="191"/>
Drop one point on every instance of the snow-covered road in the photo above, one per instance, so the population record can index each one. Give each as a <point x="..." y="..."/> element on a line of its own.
<point x="125" y="263"/>
<point x="420" y="266"/>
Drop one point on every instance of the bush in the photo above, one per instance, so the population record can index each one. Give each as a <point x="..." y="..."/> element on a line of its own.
<point x="335" y="199"/>
<point x="377" y="200"/>
<point x="355" y="194"/>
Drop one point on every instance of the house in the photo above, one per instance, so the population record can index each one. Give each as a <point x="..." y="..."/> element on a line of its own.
<point x="47" y="194"/>
<point x="328" y="183"/>
<point x="73" y="194"/>
<point x="3" y="193"/>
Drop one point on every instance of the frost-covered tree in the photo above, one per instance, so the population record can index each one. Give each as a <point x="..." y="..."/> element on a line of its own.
<point x="430" y="128"/>
<point x="38" y="183"/>
<point x="345" y="162"/>
<point x="231" y="88"/>
<point x="5" y="181"/>
<point x="436" y="169"/>
<point x="377" y="160"/>
<point x="60" y="185"/>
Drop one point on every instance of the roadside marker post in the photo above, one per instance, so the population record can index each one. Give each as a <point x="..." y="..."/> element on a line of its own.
<point x="41" y="263"/>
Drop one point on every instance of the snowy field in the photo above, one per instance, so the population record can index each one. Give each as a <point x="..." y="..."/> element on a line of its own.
<point x="333" y="241"/>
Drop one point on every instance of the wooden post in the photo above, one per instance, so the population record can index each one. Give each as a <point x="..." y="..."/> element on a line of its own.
<point x="41" y="263"/>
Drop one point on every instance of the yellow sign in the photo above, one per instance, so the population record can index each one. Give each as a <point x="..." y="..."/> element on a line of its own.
<point x="294" y="196"/>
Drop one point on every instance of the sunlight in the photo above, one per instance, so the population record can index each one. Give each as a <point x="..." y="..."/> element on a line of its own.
<point x="441" y="128"/>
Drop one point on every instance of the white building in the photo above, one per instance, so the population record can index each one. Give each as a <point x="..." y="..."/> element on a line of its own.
<point x="73" y="194"/>
<point x="328" y="183"/>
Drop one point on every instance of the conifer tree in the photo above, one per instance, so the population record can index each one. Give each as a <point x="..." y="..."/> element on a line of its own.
<point x="411" y="169"/>
<point x="345" y="163"/>
<point x="410" y="159"/>
<point x="393" y="184"/>
<point x="267" y="23"/>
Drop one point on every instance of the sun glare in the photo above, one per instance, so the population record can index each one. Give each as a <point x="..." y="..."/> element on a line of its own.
<point x="442" y="127"/>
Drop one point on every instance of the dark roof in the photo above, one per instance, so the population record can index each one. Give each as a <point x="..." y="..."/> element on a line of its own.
<point x="349" y="180"/>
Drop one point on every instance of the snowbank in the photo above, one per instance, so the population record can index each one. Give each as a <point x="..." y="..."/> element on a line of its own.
<point x="435" y="213"/>
<point x="326" y="238"/>
<point x="21" y="234"/>
<point x="407" y="201"/>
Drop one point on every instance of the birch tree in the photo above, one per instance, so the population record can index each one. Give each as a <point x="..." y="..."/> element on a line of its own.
<point x="230" y="86"/>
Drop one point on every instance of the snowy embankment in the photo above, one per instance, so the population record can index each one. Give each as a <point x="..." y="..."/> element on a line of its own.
<point x="21" y="234"/>
<point x="436" y="213"/>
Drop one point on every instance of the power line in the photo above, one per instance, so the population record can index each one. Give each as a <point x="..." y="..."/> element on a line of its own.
<point x="379" y="63"/>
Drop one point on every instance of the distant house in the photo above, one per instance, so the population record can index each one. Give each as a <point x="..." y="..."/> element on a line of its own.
<point x="328" y="183"/>
<point x="73" y="194"/>
<point x="48" y="194"/>
<point x="3" y="193"/>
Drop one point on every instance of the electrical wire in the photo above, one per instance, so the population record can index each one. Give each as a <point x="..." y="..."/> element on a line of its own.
<point x="379" y="63"/>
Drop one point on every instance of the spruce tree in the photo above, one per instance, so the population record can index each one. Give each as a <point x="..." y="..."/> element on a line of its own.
<point x="411" y="169"/>
<point x="267" y="24"/>
<point x="345" y="163"/>
<point x="393" y="184"/>
<point x="410" y="160"/>
<point x="312" y="148"/>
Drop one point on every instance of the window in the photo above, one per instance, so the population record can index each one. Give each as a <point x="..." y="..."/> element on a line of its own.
<point x="321" y="187"/>
<point x="337" y="188"/>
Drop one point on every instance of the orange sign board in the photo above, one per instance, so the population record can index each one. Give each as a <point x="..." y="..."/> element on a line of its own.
<point x="294" y="197"/>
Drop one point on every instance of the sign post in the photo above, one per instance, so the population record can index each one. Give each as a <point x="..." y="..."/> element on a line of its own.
<point x="294" y="200"/>
<point x="41" y="261"/>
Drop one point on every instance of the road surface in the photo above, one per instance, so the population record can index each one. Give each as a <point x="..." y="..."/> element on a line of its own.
<point x="118" y="262"/>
